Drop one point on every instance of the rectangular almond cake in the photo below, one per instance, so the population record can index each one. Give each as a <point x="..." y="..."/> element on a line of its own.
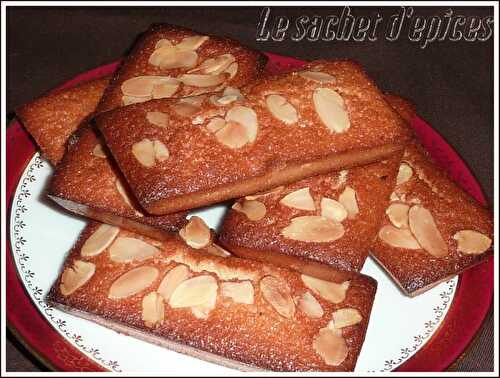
<point x="87" y="182"/>
<point x="171" y="61"/>
<point x="51" y="119"/>
<point x="239" y="313"/>
<point x="327" y="219"/>
<point x="431" y="230"/>
<point x="284" y="128"/>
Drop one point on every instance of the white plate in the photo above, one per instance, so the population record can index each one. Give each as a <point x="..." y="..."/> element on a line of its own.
<point x="42" y="234"/>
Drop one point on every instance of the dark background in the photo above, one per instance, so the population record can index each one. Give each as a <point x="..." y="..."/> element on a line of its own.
<point x="451" y="83"/>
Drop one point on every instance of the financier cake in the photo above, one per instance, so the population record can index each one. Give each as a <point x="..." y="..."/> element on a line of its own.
<point x="431" y="230"/>
<point x="171" y="61"/>
<point x="284" y="128"/>
<point x="51" y="119"/>
<point x="239" y="313"/>
<point x="453" y="217"/>
<point x="88" y="183"/>
<point x="327" y="219"/>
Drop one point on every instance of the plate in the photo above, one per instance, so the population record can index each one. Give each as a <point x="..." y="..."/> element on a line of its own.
<point x="426" y="333"/>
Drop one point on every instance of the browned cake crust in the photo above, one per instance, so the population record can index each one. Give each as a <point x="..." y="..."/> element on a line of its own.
<point x="204" y="167"/>
<point x="264" y="233"/>
<point x="51" y="119"/>
<point x="424" y="186"/>
<point x="270" y="329"/>
<point x="403" y="107"/>
<point x="87" y="182"/>
<point x="250" y="63"/>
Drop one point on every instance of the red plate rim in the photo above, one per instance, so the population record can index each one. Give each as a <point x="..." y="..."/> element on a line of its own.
<point x="471" y="303"/>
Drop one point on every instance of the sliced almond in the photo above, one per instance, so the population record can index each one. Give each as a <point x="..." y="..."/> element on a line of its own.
<point x="424" y="229"/>
<point x="299" y="199"/>
<point x="98" y="151"/>
<point x="153" y="310"/>
<point x="281" y="109"/>
<point x="185" y="109"/>
<point x="202" y="81"/>
<point x="163" y="43"/>
<point x="195" y="291"/>
<point x="341" y="179"/>
<point x="398" y="214"/>
<point x="99" y="240"/>
<point x="157" y="118"/>
<point x="277" y="293"/>
<point x="246" y="117"/>
<point x="172" y="279"/>
<point x="346" y="317"/>
<point x="144" y="152"/>
<point x="331" y="346"/>
<point x="225" y="100"/>
<point x="133" y="282"/>
<point x="142" y="86"/>
<point x="231" y="91"/>
<point x="216" y="250"/>
<point x="240" y="292"/>
<point x="173" y="58"/>
<point x="472" y="242"/>
<point x="215" y="124"/>
<point x="333" y="210"/>
<point x="330" y="107"/>
<point x="161" y="151"/>
<point x="202" y="311"/>
<point x="196" y="233"/>
<point x="129" y="100"/>
<point x="165" y="90"/>
<point x="160" y="52"/>
<point x="348" y="199"/>
<point x="276" y="190"/>
<point x="313" y="229"/>
<point x="216" y="65"/>
<point x="123" y="193"/>
<point x="330" y="291"/>
<point x="192" y="43"/>
<point x="398" y="238"/>
<point x="404" y="174"/>
<point x="232" y="135"/>
<point x="394" y="197"/>
<point x="310" y="306"/>
<point x="76" y="276"/>
<point x="232" y="70"/>
<point x="147" y="152"/>
<point x="317" y="76"/>
<point x="125" y="250"/>
<point x="254" y="210"/>
<point x="193" y="100"/>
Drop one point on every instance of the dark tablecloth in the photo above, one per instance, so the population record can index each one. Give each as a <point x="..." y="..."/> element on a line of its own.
<point x="450" y="82"/>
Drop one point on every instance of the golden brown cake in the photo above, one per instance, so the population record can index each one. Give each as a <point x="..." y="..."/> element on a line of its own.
<point x="432" y="230"/>
<point x="239" y="313"/>
<point x="170" y="61"/>
<point x="327" y="219"/>
<point x="284" y="128"/>
<point x="87" y="182"/>
<point x="51" y="119"/>
<point x="403" y="107"/>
